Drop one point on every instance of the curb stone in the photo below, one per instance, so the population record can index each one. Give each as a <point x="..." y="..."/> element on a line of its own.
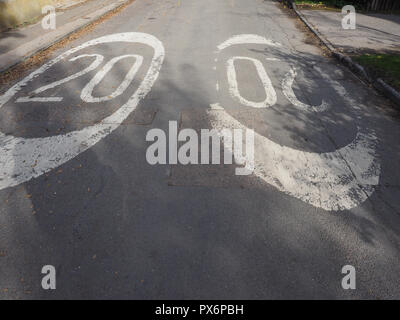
<point x="378" y="83"/>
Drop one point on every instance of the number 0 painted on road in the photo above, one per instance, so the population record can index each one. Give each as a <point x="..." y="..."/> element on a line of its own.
<point x="271" y="98"/>
<point x="87" y="91"/>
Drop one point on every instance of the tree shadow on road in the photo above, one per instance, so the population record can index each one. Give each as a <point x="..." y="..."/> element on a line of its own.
<point x="113" y="227"/>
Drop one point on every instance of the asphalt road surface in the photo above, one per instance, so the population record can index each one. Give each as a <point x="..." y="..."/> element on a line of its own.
<point x="77" y="192"/>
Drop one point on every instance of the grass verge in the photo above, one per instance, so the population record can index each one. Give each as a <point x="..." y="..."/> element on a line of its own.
<point x="385" y="66"/>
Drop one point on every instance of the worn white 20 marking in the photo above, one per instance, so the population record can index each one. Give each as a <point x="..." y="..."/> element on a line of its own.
<point x="96" y="63"/>
<point x="337" y="180"/>
<point x="22" y="159"/>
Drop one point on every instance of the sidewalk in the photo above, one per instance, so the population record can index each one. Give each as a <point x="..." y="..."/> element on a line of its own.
<point x="372" y="50"/>
<point x="19" y="44"/>
<point x="374" y="32"/>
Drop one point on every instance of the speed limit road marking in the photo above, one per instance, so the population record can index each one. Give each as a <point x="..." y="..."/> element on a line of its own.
<point x="337" y="180"/>
<point x="332" y="181"/>
<point x="22" y="159"/>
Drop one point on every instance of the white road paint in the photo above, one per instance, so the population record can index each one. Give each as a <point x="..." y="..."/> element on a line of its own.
<point x="247" y="39"/>
<point x="333" y="181"/>
<point x="336" y="180"/>
<point x="216" y="106"/>
<point x="96" y="63"/>
<point x="86" y="94"/>
<point x="287" y="90"/>
<point x="22" y="159"/>
<point x="270" y="99"/>
<point x="39" y="99"/>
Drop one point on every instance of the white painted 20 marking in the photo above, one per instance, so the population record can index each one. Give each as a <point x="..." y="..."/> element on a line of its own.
<point x="87" y="91"/>
<point x="96" y="63"/>
<point x="333" y="181"/>
<point x="336" y="180"/>
<point x="22" y="159"/>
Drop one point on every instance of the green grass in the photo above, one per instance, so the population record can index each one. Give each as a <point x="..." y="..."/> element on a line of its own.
<point x="386" y="66"/>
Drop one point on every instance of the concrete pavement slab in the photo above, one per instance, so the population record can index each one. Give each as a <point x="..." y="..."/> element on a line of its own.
<point x="374" y="32"/>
